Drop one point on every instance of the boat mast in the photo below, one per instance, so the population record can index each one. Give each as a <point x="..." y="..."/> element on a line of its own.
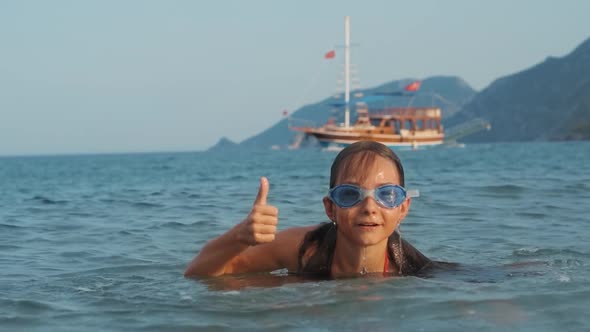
<point x="347" y="71"/>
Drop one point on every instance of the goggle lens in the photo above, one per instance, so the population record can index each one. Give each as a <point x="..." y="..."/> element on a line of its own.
<point x="347" y="196"/>
<point x="388" y="196"/>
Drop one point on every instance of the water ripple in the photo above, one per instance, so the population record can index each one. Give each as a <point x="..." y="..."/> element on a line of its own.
<point x="102" y="242"/>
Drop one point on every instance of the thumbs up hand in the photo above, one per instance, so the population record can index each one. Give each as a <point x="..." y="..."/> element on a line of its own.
<point x="260" y="226"/>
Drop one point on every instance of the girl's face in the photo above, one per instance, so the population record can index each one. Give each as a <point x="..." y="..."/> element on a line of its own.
<point x="367" y="223"/>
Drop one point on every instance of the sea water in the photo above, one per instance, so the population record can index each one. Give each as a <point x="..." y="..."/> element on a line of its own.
<point x="100" y="242"/>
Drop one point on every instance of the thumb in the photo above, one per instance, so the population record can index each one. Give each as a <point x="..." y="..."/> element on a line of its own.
<point x="262" y="192"/>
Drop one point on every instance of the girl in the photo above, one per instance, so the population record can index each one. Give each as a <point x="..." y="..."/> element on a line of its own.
<point x="366" y="203"/>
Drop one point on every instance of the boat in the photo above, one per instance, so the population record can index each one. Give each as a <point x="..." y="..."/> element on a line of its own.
<point x="411" y="127"/>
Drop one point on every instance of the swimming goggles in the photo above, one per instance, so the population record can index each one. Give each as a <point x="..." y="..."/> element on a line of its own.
<point x="388" y="196"/>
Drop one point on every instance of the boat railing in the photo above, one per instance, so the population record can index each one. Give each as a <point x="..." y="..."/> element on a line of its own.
<point x="431" y="112"/>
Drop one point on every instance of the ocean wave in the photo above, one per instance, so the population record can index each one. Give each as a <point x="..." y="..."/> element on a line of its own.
<point x="146" y="205"/>
<point x="9" y="247"/>
<point x="26" y="306"/>
<point x="533" y="215"/>
<point x="138" y="204"/>
<point x="129" y="269"/>
<point x="546" y="252"/>
<point x="48" y="201"/>
<point x="504" y="189"/>
<point x="11" y="226"/>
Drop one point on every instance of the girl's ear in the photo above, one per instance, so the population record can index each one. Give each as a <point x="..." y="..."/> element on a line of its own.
<point x="405" y="208"/>
<point x="329" y="208"/>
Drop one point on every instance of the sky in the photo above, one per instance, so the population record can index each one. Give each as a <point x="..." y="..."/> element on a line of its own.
<point x="140" y="76"/>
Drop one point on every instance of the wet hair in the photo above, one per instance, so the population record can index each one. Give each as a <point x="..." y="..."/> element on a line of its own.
<point x="363" y="153"/>
<point x="318" y="245"/>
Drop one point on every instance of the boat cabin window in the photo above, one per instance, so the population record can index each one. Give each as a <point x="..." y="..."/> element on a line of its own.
<point x="433" y="124"/>
<point x="408" y="124"/>
<point x="419" y="125"/>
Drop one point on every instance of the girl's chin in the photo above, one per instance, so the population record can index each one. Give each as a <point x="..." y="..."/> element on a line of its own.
<point x="365" y="241"/>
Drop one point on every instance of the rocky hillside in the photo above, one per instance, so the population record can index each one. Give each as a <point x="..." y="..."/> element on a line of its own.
<point x="549" y="101"/>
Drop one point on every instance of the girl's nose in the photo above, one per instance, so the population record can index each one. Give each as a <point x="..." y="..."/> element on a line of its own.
<point x="369" y="205"/>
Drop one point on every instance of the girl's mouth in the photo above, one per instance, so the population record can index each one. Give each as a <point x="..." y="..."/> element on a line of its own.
<point x="368" y="225"/>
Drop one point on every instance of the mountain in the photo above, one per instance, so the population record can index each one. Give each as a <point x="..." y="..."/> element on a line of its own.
<point x="447" y="92"/>
<point x="549" y="101"/>
<point x="224" y="145"/>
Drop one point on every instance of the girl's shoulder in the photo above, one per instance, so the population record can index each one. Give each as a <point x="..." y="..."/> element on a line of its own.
<point x="289" y="242"/>
<point x="294" y="235"/>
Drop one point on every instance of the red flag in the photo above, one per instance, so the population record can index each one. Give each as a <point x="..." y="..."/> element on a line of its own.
<point x="330" y="55"/>
<point x="285" y="113"/>
<point x="413" y="87"/>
